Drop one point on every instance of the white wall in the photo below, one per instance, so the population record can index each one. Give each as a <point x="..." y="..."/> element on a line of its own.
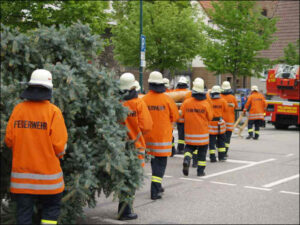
<point x="261" y="84"/>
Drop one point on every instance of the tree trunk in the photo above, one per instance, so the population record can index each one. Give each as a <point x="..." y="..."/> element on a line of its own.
<point x="234" y="82"/>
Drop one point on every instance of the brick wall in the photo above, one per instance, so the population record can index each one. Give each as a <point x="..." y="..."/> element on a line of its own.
<point x="210" y="79"/>
<point x="207" y="76"/>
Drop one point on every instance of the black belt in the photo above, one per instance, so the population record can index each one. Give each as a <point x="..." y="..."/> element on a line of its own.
<point x="216" y="118"/>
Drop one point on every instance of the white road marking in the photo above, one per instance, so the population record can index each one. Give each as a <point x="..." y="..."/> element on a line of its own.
<point x="238" y="168"/>
<point x="258" y="188"/>
<point x="289" y="192"/>
<point x="239" y="161"/>
<point x="228" y="160"/>
<point x="182" y="178"/>
<point x="281" y="181"/>
<point x="216" y="182"/>
<point x="288" y="155"/>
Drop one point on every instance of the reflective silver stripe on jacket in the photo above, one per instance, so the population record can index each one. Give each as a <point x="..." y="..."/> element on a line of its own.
<point x="196" y="135"/>
<point x="160" y="150"/>
<point x="159" y="143"/>
<point x="216" y="126"/>
<point x="36" y="186"/>
<point x="216" y="131"/>
<point x="36" y="176"/>
<point x="229" y="123"/>
<point x="196" y="141"/>
<point x="180" y="120"/>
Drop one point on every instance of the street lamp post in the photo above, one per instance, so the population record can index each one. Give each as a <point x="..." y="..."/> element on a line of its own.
<point x="141" y="32"/>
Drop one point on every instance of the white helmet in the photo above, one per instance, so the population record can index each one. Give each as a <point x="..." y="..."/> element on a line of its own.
<point x="254" y="88"/>
<point x="226" y="85"/>
<point x="155" y="77"/>
<point x="198" y="85"/>
<point x="41" y="77"/>
<point x="137" y="85"/>
<point x="216" y="89"/>
<point x="127" y="81"/>
<point x="182" y="80"/>
<point x="166" y="82"/>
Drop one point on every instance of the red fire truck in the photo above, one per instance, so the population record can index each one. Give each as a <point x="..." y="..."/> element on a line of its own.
<point x="284" y="82"/>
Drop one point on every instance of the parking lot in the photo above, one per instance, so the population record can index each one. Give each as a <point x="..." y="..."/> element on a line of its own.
<point x="258" y="184"/>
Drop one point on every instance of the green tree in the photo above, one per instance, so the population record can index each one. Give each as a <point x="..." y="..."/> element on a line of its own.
<point x="99" y="157"/>
<point x="171" y="30"/>
<point x="291" y="54"/>
<point x="232" y="45"/>
<point x="27" y="14"/>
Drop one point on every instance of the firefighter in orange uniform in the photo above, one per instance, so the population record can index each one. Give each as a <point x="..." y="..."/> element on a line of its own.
<point x="167" y="86"/>
<point x="256" y="104"/>
<point x="138" y="122"/>
<point x="217" y="127"/>
<point x="37" y="134"/>
<point x="197" y="113"/>
<point x="195" y="152"/>
<point x="164" y="112"/>
<point x="181" y="86"/>
<point x="229" y="115"/>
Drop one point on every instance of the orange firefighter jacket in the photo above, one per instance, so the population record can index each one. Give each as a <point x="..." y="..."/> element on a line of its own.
<point x="257" y="104"/>
<point x="37" y="134"/>
<point x="138" y="122"/>
<point x="219" y="107"/>
<point x="197" y="115"/>
<point x="229" y="115"/>
<point x="164" y="112"/>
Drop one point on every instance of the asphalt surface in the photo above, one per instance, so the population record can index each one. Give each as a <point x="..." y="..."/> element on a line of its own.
<point x="259" y="184"/>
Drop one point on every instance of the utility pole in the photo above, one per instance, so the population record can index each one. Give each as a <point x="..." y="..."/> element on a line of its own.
<point x="142" y="48"/>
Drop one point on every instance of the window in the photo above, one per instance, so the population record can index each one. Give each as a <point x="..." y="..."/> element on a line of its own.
<point x="229" y="79"/>
<point x="264" y="12"/>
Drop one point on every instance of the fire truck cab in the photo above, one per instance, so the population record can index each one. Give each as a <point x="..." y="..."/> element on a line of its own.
<point x="284" y="82"/>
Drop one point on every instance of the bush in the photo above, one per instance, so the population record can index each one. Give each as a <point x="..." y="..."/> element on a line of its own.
<point x="96" y="158"/>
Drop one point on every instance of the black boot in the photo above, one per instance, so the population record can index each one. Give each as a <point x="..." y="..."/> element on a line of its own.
<point x="156" y="196"/>
<point x="249" y="137"/>
<point x="161" y="190"/>
<point x="221" y="156"/>
<point x="226" y="155"/>
<point x="127" y="214"/>
<point x="186" y="165"/>
<point x="200" y="173"/>
<point x="213" y="158"/>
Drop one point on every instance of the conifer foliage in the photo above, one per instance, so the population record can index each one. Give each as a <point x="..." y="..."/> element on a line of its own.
<point x="99" y="157"/>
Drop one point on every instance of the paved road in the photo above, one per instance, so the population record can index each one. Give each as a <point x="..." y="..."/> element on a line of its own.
<point x="259" y="184"/>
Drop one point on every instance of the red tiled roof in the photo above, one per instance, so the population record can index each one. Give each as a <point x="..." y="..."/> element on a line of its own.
<point x="206" y="5"/>
<point x="287" y="28"/>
